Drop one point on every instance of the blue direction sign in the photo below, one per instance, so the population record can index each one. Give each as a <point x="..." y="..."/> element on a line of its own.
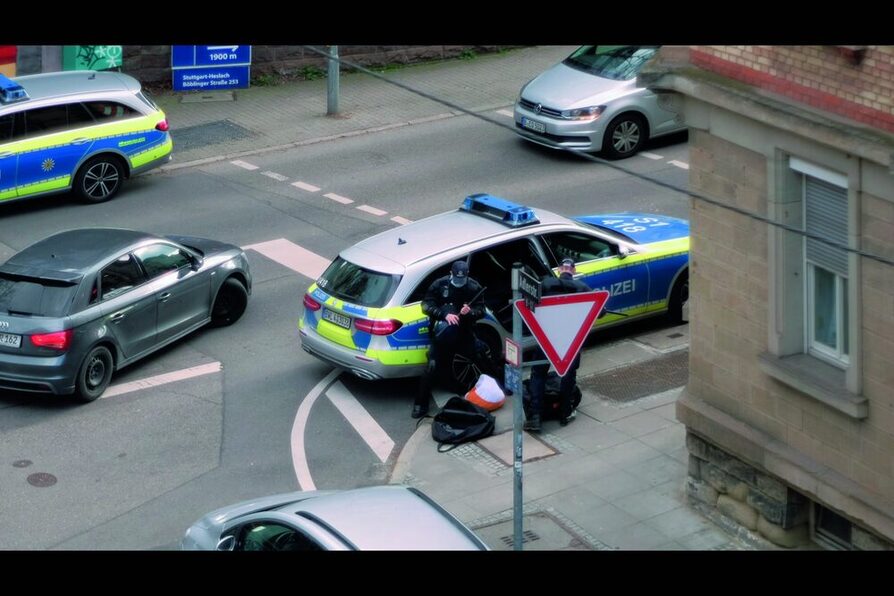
<point x="202" y="68"/>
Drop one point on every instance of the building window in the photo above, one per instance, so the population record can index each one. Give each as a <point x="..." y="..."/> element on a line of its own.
<point x="825" y="214"/>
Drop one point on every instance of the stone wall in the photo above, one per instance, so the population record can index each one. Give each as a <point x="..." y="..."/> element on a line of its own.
<point x="152" y="64"/>
<point x="752" y="504"/>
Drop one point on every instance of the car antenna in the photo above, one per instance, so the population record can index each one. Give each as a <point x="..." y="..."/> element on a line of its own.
<point x="400" y="241"/>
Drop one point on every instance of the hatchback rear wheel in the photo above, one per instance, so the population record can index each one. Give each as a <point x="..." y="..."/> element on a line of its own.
<point x="95" y="374"/>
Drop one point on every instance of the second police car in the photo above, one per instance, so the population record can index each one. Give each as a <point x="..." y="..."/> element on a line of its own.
<point x="81" y="130"/>
<point x="364" y="313"/>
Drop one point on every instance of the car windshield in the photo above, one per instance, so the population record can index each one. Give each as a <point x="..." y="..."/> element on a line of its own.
<point x="619" y="63"/>
<point x="357" y="285"/>
<point x="35" y="297"/>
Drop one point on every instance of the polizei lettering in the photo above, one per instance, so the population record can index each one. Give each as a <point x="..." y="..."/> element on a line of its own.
<point x="621" y="287"/>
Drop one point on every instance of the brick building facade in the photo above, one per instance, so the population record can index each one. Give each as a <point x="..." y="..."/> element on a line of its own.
<point x="790" y="403"/>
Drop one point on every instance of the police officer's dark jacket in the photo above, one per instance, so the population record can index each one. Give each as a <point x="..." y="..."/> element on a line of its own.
<point x="564" y="284"/>
<point x="443" y="298"/>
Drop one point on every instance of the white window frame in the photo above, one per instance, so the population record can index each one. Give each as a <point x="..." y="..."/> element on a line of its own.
<point x="835" y="356"/>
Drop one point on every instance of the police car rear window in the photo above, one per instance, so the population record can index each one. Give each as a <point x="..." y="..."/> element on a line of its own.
<point x="28" y="296"/>
<point x="354" y="284"/>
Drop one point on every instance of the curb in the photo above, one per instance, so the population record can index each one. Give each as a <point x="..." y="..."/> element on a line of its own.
<point x="313" y="141"/>
<point x="408" y="452"/>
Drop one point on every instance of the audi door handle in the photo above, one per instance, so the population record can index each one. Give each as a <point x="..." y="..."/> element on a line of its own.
<point x="164" y="296"/>
<point x="80" y="141"/>
<point x="117" y="317"/>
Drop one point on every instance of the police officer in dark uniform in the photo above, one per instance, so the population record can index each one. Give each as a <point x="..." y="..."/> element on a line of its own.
<point x="550" y="286"/>
<point x="452" y="304"/>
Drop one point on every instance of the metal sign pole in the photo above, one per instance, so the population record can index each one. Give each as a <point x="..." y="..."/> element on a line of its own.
<point x="517" y="413"/>
<point x="332" y="82"/>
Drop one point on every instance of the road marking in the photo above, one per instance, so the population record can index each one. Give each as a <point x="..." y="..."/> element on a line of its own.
<point x="338" y="198"/>
<point x="401" y="220"/>
<point x="650" y="155"/>
<point x="306" y="186"/>
<point x="292" y="256"/>
<point x="299" y="455"/>
<point x="179" y="375"/>
<point x="357" y="416"/>
<point x="244" y="164"/>
<point x="679" y="164"/>
<point x="506" y="113"/>
<point x="372" y="210"/>
<point x="275" y="176"/>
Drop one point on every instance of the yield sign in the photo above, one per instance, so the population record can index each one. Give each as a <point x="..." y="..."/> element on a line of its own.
<point x="561" y="323"/>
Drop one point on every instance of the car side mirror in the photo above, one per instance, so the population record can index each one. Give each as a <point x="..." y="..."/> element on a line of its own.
<point x="623" y="252"/>
<point x="227" y="543"/>
<point x="197" y="263"/>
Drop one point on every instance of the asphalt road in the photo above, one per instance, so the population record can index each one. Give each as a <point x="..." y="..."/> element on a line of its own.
<point x="133" y="470"/>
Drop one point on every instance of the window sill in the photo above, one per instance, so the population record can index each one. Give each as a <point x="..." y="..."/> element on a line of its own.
<point x="817" y="379"/>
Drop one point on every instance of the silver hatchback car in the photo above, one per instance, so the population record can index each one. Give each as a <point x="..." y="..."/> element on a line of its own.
<point x="391" y="517"/>
<point x="81" y="304"/>
<point x="590" y="102"/>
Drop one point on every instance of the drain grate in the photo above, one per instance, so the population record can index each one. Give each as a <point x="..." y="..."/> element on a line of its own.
<point x="210" y="133"/>
<point x="527" y="536"/>
<point x="640" y="380"/>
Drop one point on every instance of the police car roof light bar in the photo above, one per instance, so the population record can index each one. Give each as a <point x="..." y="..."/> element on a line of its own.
<point x="507" y="212"/>
<point x="11" y="91"/>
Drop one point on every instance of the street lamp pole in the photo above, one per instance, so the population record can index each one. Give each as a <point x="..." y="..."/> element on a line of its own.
<point x="332" y="82"/>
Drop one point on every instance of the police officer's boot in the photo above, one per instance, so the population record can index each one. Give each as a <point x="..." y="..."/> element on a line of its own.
<point x="423" y="396"/>
<point x="533" y="423"/>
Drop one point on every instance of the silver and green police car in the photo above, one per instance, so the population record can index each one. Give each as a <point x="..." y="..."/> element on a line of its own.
<point x="364" y="313"/>
<point x="85" y="131"/>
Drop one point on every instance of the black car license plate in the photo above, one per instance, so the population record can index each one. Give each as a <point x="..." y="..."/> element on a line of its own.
<point x="336" y="319"/>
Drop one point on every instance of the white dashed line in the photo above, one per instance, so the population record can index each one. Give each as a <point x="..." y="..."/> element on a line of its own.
<point x="372" y="210"/>
<point x="679" y="164"/>
<point x="306" y="186"/>
<point x="244" y="164"/>
<point x="292" y="256"/>
<point x="357" y="416"/>
<point x="401" y="220"/>
<point x="650" y="155"/>
<point x="275" y="176"/>
<point x="338" y="198"/>
<point x="179" y="375"/>
<point x="505" y="113"/>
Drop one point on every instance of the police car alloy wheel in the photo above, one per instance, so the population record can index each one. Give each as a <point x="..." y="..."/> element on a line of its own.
<point x="99" y="179"/>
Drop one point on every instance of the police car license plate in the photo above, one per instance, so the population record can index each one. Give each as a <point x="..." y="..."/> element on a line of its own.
<point x="10" y="341"/>
<point x="337" y="319"/>
<point x="533" y="125"/>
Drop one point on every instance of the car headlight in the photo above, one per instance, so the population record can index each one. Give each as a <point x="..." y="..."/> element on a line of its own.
<point x="590" y="113"/>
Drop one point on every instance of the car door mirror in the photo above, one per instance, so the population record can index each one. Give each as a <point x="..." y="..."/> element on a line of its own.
<point x="227" y="543"/>
<point x="623" y="252"/>
<point x="197" y="263"/>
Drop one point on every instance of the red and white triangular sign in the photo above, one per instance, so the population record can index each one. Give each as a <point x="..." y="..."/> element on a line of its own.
<point x="560" y="324"/>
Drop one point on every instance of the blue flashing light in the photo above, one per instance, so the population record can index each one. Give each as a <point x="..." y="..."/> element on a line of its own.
<point x="507" y="212"/>
<point x="11" y="91"/>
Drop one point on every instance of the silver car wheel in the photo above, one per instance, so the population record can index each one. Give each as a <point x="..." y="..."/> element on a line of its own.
<point x="626" y="136"/>
<point x="101" y="180"/>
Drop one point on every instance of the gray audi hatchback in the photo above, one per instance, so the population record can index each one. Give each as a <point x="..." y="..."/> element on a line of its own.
<point x="81" y="304"/>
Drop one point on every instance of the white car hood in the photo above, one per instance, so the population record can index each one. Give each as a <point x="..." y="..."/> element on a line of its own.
<point x="564" y="88"/>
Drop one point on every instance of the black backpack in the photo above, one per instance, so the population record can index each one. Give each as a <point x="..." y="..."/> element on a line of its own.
<point x="460" y="421"/>
<point x="549" y="408"/>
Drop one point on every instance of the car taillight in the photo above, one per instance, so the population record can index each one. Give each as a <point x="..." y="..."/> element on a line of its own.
<point x="377" y="326"/>
<point x="59" y="340"/>
<point x="310" y="303"/>
<point x="162" y="126"/>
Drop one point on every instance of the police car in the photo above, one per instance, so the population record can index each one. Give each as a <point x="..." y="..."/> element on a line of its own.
<point x="81" y="130"/>
<point x="364" y="313"/>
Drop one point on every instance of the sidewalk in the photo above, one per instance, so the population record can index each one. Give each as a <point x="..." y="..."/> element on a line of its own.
<point x="614" y="478"/>
<point x="210" y="126"/>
